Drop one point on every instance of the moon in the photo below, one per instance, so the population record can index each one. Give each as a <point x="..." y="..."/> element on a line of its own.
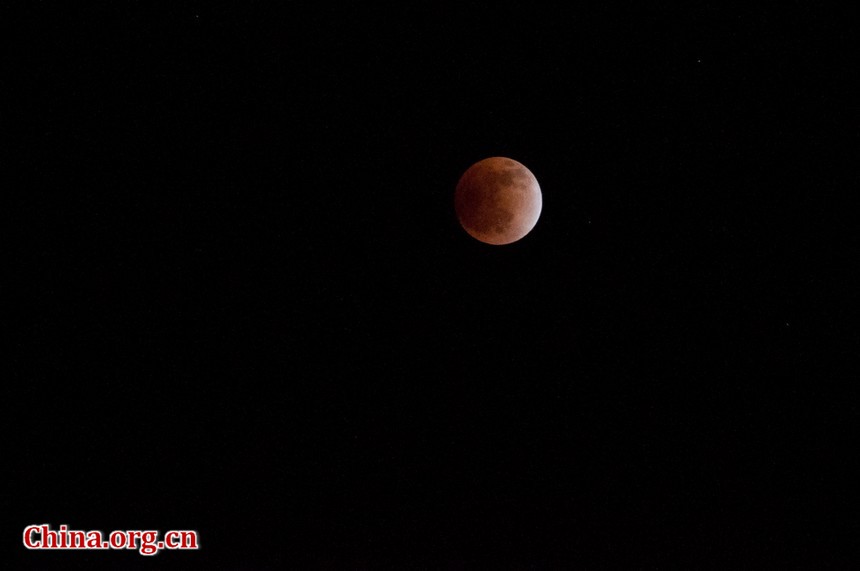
<point x="498" y="201"/>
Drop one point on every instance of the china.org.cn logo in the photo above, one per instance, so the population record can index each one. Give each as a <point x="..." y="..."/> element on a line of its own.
<point x="146" y="542"/>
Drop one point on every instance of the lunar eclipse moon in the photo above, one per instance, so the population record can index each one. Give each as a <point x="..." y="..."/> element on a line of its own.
<point x="498" y="201"/>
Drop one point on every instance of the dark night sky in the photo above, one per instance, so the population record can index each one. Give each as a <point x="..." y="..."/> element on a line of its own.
<point x="242" y="303"/>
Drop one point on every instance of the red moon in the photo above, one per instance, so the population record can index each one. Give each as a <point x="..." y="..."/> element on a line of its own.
<point x="498" y="201"/>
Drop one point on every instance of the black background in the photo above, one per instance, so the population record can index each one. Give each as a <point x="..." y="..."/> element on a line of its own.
<point x="242" y="302"/>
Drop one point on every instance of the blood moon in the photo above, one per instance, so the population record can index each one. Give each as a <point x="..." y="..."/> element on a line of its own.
<point x="498" y="201"/>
